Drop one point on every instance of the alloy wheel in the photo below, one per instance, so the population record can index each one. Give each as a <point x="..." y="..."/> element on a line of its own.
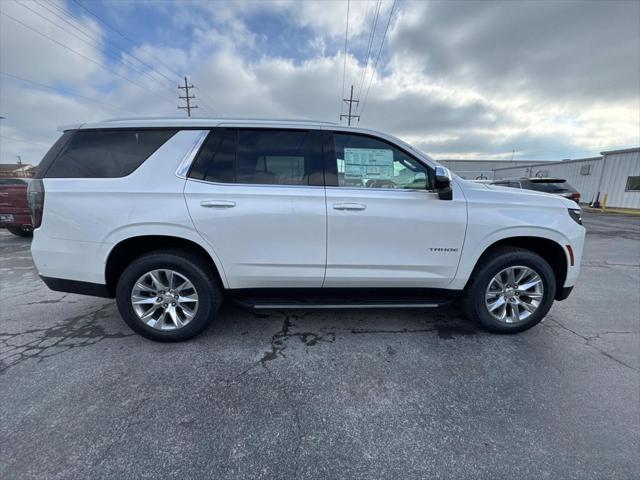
<point x="164" y="299"/>
<point x="514" y="294"/>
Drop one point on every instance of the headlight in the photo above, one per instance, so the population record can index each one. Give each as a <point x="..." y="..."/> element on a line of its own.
<point x="576" y="214"/>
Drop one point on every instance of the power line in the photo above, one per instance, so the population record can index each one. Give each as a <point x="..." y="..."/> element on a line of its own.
<point x="151" y="57"/>
<point x="187" y="97"/>
<point x="80" y="54"/>
<point x="97" y="37"/>
<point x="115" y="107"/>
<point x="111" y="54"/>
<point x="211" y="110"/>
<point x="375" y="65"/>
<point x="344" y="66"/>
<point x="369" y="46"/>
<point x="113" y="29"/>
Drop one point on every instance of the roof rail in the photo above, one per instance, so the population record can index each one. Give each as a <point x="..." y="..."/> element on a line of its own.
<point x="223" y="119"/>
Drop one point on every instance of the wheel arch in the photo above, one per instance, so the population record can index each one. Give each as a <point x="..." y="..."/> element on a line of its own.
<point x="128" y="249"/>
<point x="552" y="251"/>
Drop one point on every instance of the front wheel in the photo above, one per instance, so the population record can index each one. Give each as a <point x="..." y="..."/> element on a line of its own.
<point x="510" y="291"/>
<point x="168" y="295"/>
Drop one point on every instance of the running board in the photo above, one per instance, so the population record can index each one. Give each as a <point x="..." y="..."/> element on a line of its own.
<point x="348" y="298"/>
<point x="317" y="306"/>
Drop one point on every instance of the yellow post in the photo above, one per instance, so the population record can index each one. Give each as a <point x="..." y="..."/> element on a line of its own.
<point x="604" y="201"/>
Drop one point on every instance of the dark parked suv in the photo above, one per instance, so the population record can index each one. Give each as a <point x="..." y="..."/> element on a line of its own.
<point x="557" y="186"/>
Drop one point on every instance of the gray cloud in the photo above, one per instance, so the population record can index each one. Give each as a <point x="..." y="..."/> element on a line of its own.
<point x="464" y="79"/>
<point x="560" y="49"/>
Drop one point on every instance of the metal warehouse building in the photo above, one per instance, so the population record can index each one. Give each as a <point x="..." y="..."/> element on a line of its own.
<point x="481" y="169"/>
<point x="612" y="180"/>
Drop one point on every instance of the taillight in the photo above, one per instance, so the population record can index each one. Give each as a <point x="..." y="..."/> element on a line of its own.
<point x="35" y="196"/>
<point x="575" y="196"/>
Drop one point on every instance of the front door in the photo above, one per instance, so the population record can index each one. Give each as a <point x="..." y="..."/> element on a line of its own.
<point x="385" y="226"/>
<point x="256" y="195"/>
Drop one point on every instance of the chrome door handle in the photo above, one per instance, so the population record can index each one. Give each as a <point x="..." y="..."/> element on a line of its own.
<point x="349" y="206"/>
<point x="217" y="204"/>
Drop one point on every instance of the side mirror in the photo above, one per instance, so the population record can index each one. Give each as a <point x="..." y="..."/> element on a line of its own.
<point x="442" y="183"/>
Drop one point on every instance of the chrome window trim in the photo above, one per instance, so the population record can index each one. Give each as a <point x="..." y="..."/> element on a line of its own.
<point x="220" y="184"/>
<point x="189" y="157"/>
<point x="380" y="189"/>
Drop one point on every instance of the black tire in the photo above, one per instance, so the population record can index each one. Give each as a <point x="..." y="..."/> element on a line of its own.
<point x="474" y="303"/>
<point x="195" y="268"/>
<point x="21" y="231"/>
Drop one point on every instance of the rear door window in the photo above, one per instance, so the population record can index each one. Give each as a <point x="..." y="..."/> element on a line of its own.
<point x="260" y="157"/>
<point x="105" y="153"/>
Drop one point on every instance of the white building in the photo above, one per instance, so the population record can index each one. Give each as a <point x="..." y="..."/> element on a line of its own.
<point x="481" y="169"/>
<point x="612" y="180"/>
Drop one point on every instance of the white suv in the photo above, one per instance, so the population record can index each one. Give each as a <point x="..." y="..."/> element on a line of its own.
<point x="171" y="215"/>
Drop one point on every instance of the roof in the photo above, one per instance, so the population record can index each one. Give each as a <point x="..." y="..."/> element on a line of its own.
<point x="193" y="122"/>
<point x="546" y="164"/>
<point x="624" y="150"/>
<point x="488" y="160"/>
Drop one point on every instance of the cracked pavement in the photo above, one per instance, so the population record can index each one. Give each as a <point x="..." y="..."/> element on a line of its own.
<point x="325" y="394"/>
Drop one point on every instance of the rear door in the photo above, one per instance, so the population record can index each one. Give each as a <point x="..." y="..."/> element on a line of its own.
<point x="386" y="226"/>
<point x="257" y="196"/>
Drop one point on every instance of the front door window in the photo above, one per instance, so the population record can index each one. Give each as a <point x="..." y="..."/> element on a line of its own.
<point x="368" y="162"/>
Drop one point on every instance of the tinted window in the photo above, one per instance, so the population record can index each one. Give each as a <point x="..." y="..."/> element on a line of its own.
<point x="105" y="153"/>
<point x="261" y="156"/>
<point x="277" y="157"/>
<point x="551" y="187"/>
<point x="53" y="152"/>
<point x="364" y="161"/>
<point x="217" y="157"/>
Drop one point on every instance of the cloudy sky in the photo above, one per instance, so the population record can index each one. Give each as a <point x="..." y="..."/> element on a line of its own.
<point x="458" y="79"/>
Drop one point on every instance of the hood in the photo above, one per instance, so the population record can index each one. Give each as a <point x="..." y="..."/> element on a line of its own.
<point x="515" y="195"/>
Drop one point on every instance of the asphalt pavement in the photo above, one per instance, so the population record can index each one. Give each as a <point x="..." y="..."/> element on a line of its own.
<point x="328" y="394"/>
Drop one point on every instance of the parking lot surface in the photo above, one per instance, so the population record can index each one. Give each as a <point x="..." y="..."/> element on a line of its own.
<point x="328" y="394"/>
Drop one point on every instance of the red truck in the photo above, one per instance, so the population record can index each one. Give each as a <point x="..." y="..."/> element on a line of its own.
<point x="14" y="209"/>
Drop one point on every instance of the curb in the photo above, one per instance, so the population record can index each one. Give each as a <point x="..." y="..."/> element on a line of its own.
<point x="613" y="211"/>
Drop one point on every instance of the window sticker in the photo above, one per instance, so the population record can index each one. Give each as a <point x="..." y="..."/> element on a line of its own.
<point x="371" y="163"/>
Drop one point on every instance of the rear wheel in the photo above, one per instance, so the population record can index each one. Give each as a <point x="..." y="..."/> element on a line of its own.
<point x="168" y="295"/>
<point x="21" y="231"/>
<point x="510" y="291"/>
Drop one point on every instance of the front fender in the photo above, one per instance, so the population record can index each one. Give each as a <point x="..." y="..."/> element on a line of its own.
<point x="472" y="252"/>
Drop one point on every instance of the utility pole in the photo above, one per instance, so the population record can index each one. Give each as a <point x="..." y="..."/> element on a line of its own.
<point x="187" y="97"/>
<point x="22" y="172"/>
<point x="350" y="101"/>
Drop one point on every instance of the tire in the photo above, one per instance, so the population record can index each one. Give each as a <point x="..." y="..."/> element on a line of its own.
<point x="185" y="266"/>
<point x="21" y="231"/>
<point x="480" y="297"/>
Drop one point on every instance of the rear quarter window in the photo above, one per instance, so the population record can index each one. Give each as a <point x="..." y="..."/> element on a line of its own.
<point x="105" y="153"/>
